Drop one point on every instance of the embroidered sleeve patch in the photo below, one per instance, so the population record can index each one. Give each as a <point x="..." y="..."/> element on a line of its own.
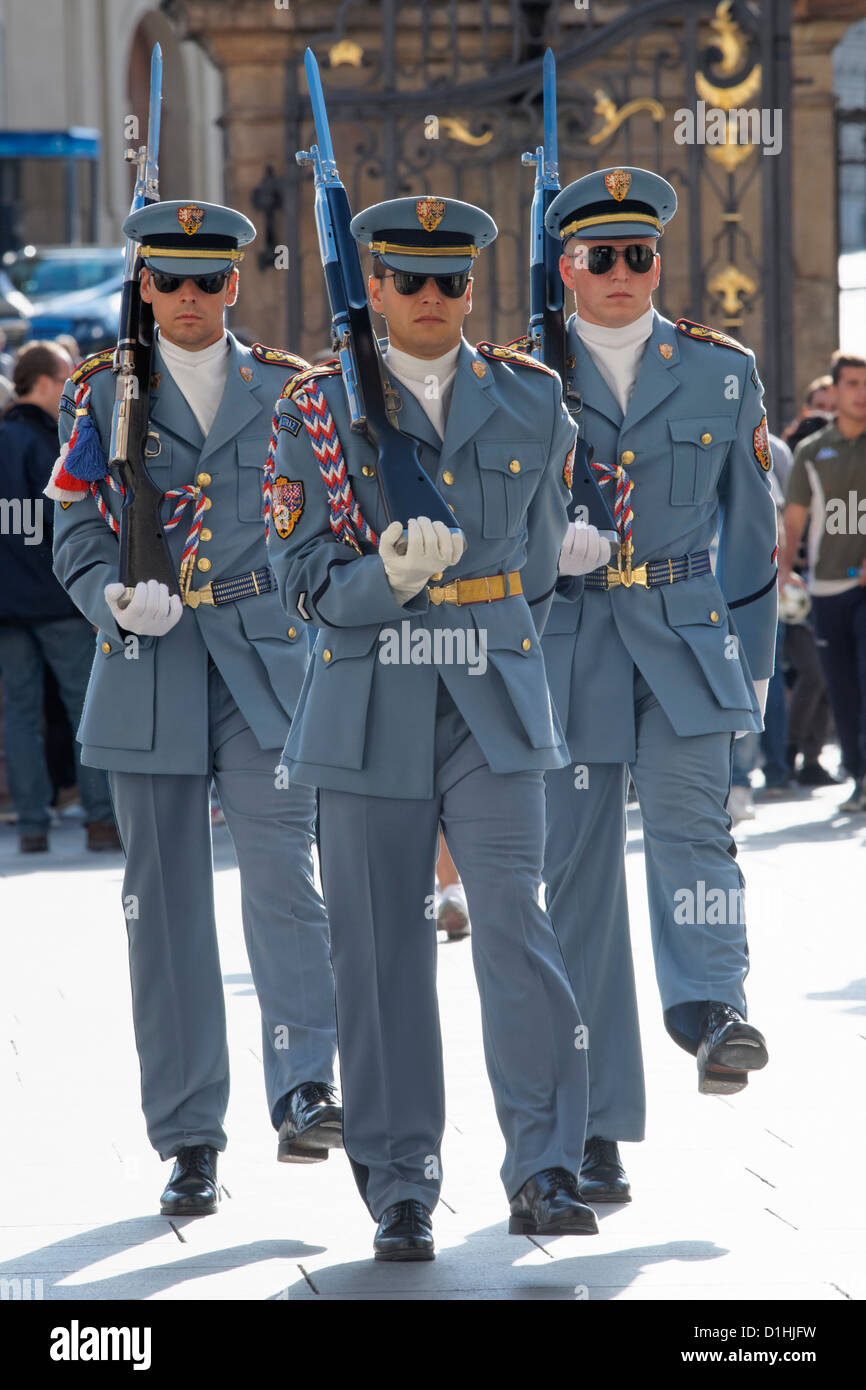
<point x="568" y="470"/>
<point x="288" y="505"/>
<point x="288" y="422"/>
<point x="761" y="445"/>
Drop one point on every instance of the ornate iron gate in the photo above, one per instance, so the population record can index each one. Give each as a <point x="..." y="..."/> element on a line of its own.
<point x="436" y="97"/>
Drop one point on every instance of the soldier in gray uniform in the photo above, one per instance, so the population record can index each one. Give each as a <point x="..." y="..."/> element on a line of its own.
<point x="655" y="662"/>
<point x="183" y="694"/>
<point x="425" y="701"/>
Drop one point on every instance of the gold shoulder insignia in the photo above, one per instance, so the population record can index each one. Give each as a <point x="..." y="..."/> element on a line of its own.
<point x="278" y="357"/>
<point x="510" y="354"/>
<point x="297" y="383"/>
<point x="703" y="334"/>
<point x="97" y="363"/>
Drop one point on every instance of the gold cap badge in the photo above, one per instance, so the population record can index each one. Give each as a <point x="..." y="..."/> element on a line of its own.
<point x="430" y="212"/>
<point x="617" y="183"/>
<point x="190" y="218"/>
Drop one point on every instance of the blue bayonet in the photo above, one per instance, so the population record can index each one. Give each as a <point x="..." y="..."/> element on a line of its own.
<point x="404" y="487"/>
<point x="546" y="334"/>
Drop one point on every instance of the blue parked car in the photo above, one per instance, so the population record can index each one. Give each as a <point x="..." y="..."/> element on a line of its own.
<point x="73" y="289"/>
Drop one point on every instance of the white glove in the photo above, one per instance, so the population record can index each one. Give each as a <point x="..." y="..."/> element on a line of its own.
<point x="431" y="547"/>
<point x="583" y="549"/>
<point x="151" y="613"/>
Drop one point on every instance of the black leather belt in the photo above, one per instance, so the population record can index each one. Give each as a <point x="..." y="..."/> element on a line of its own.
<point x="221" y="591"/>
<point x="653" y="574"/>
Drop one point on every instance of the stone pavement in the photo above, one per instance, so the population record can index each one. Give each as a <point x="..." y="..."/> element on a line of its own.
<point x="757" y="1196"/>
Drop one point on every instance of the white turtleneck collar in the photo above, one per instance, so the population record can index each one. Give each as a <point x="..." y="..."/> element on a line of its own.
<point x="430" y="379"/>
<point x="617" y="352"/>
<point x="200" y="376"/>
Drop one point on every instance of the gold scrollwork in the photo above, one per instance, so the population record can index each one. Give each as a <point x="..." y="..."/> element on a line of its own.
<point x="346" y="51"/>
<point x="613" y="118"/>
<point x="459" y="130"/>
<point x="732" y="286"/>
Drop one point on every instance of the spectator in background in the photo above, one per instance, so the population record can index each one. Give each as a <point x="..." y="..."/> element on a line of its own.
<point x="70" y="347"/>
<point x="826" y="486"/>
<point x="38" y="622"/>
<point x="820" y="398"/>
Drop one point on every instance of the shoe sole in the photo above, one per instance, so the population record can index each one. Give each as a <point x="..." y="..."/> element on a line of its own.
<point x="393" y="1255"/>
<point x="210" y="1210"/>
<point x="313" y="1145"/>
<point x="525" y="1226"/>
<point x="608" y="1195"/>
<point x="456" y="924"/>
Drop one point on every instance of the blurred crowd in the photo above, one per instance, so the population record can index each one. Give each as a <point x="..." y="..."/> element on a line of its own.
<point x="816" y="701"/>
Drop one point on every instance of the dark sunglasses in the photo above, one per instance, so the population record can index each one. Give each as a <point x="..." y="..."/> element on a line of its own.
<point x="208" y="284"/>
<point x="452" y="286"/>
<point x="601" y="259"/>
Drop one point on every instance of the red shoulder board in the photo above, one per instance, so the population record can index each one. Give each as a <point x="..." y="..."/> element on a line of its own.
<point x="297" y="383"/>
<point x="97" y="363"/>
<point x="511" y="354"/>
<point x="709" y="335"/>
<point x="277" y="357"/>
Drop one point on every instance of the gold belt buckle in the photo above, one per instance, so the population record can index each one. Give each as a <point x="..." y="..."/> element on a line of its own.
<point x="627" y="578"/>
<point x="443" y="593"/>
<point x="196" y="596"/>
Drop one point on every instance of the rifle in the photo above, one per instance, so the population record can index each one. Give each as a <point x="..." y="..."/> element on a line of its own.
<point x="404" y="487"/>
<point x="546" y="335"/>
<point x="144" y="553"/>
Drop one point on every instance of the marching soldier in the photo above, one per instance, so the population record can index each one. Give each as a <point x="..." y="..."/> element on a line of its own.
<point x="426" y="701"/>
<point x="183" y="693"/>
<point x="655" y="662"/>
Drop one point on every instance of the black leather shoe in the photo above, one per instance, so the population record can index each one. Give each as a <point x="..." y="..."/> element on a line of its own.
<point x="548" y="1205"/>
<point x="814" y="775"/>
<point x="602" y="1177"/>
<point x="192" y="1188"/>
<point x="729" y="1049"/>
<point x="405" y="1232"/>
<point x="312" y="1125"/>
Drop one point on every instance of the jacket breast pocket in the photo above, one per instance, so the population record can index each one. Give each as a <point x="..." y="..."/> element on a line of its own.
<point x="509" y="475"/>
<point x="252" y="454"/>
<point x="698" y="451"/>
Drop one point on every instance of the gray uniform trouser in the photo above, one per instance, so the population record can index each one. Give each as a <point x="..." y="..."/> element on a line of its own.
<point x="378" y="858"/>
<point x="698" y="932"/>
<point x="177" y="986"/>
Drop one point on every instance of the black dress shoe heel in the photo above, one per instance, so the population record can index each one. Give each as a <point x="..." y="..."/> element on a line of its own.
<point x="548" y="1205"/>
<point x="405" y="1232"/>
<point x="729" y="1049"/>
<point x="192" y="1189"/>
<point x="602" y="1177"/>
<point x="313" y="1124"/>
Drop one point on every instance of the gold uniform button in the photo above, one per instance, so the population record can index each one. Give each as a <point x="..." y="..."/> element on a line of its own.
<point x="293" y="632"/>
<point x="437" y="577"/>
<point x="714" y="617"/>
<point x="326" y="655"/>
<point x="706" y="439"/>
<point x="514" y="465"/>
<point x="627" y="457"/>
<point x="448" y="477"/>
<point x="203" y="564"/>
<point x="207" y="504"/>
<point x="106" y="647"/>
<point x="526" y="644"/>
<point x="206" y="534"/>
<point x="368" y="470"/>
<point x="204" y="479"/>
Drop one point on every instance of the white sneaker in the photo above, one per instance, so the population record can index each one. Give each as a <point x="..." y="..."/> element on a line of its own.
<point x="740" y="804"/>
<point x="452" y="914"/>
